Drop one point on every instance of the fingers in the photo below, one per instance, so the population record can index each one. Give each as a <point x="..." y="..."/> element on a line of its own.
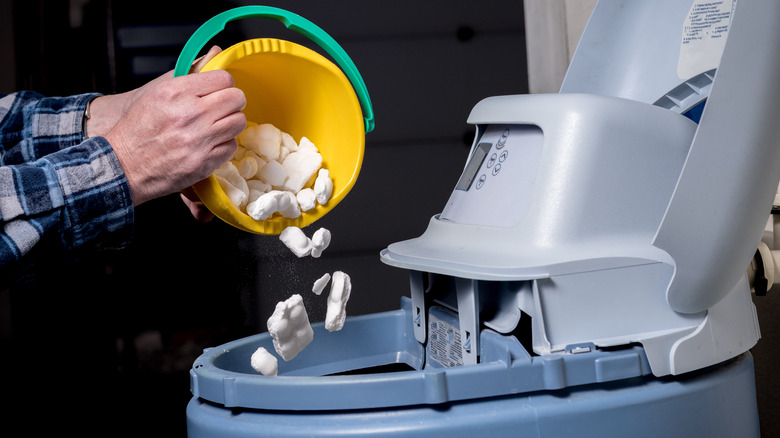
<point x="197" y="209"/>
<point x="224" y="114"/>
<point x="207" y="82"/>
<point x="226" y="103"/>
<point x="222" y="152"/>
<point x="201" y="62"/>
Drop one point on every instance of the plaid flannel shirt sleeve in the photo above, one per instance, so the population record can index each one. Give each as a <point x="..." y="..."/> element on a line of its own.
<point x="57" y="188"/>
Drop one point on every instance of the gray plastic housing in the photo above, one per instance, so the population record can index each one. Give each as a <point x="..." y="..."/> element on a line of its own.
<point x="631" y="224"/>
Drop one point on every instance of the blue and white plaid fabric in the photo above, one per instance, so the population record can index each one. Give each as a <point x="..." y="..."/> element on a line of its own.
<point x="56" y="188"/>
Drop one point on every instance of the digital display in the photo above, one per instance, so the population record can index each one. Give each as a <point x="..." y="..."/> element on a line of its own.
<point x="472" y="168"/>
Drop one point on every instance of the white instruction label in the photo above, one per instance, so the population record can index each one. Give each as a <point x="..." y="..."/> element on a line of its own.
<point x="443" y="343"/>
<point x="704" y="36"/>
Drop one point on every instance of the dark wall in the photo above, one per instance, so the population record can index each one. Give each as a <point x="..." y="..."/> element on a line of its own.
<point x="105" y="343"/>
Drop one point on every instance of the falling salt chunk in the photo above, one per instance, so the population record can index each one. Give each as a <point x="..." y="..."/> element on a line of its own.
<point x="323" y="186"/>
<point x="289" y="327"/>
<point x="306" y="199"/>
<point x="296" y="240"/>
<point x="320" y="284"/>
<point x="319" y="241"/>
<point x="264" y="362"/>
<point x="340" y="290"/>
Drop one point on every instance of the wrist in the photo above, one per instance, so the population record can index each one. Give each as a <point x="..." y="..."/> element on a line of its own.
<point x="104" y="112"/>
<point x="85" y="119"/>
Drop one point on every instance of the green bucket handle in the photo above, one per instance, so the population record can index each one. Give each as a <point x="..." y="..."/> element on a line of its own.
<point x="292" y="21"/>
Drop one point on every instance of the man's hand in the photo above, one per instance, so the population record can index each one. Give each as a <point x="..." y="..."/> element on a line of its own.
<point x="176" y="131"/>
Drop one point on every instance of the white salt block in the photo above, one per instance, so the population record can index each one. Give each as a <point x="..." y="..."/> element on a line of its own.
<point x="258" y="185"/>
<point x="263" y="207"/>
<point x="289" y="327"/>
<point x="301" y="167"/>
<point x="273" y="173"/>
<point x="340" y="290"/>
<point x="283" y="153"/>
<point x="296" y="241"/>
<point x="319" y="241"/>
<point x="323" y="186"/>
<point x="236" y="196"/>
<point x="307" y="145"/>
<point x="229" y="171"/>
<point x="288" y="205"/>
<point x="239" y="153"/>
<point x="254" y="195"/>
<point x="306" y="199"/>
<point x="247" y="166"/>
<point x="258" y="169"/>
<point x="320" y="283"/>
<point x="264" y="140"/>
<point x="275" y="201"/>
<point x="257" y="189"/>
<point x="288" y="142"/>
<point x="264" y="362"/>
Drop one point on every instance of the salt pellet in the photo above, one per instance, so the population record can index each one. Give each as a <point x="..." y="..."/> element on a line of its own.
<point x="289" y="327"/>
<point x="229" y="171"/>
<point x="320" y="241"/>
<point x="264" y="362"/>
<point x="260" y="186"/>
<point x="273" y="173"/>
<point x="236" y="196"/>
<point x="288" y="142"/>
<point x="239" y="153"/>
<point x="296" y="241"/>
<point x="340" y="290"/>
<point x="288" y="205"/>
<point x="320" y="283"/>
<point x="247" y="167"/>
<point x="306" y="199"/>
<point x="263" y="207"/>
<point x="301" y="167"/>
<point x="306" y="145"/>
<point x="323" y="187"/>
<point x="264" y="140"/>
<point x="295" y="169"/>
<point x="283" y="153"/>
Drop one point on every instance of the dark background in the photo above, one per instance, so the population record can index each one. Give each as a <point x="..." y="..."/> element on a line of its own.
<point x="103" y="346"/>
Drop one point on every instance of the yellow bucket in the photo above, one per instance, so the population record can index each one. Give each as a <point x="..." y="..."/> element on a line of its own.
<point x="300" y="92"/>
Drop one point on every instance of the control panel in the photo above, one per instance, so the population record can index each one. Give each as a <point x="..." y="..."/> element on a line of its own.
<point x="496" y="185"/>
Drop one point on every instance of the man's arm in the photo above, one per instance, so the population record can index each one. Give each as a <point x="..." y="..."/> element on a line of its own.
<point x="33" y="126"/>
<point x="76" y="199"/>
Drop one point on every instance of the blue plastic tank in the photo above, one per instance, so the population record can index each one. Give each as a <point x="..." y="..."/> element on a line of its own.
<point x="372" y="378"/>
